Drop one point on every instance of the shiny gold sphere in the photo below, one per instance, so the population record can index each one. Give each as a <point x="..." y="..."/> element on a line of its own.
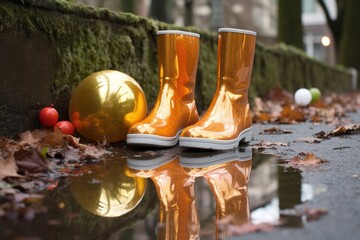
<point x="108" y="191"/>
<point x="106" y="104"/>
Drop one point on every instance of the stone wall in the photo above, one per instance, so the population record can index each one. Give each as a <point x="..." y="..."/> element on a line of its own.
<point x="48" y="46"/>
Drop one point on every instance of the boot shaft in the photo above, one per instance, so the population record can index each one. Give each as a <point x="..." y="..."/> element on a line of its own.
<point x="236" y="50"/>
<point x="178" y="54"/>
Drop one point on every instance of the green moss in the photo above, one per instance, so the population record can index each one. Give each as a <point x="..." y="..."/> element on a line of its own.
<point x="87" y="39"/>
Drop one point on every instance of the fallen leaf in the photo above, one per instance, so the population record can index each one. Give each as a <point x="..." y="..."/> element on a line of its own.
<point x="275" y="130"/>
<point x="269" y="145"/>
<point x="339" y="131"/>
<point x="278" y="106"/>
<point x="309" y="160"/>
<point x="30" y="160"/>
<point x="8" y="167"/>
<point x="232" y="229"/>
<point x="290" y="114"/>
<point x="52" y="185"/>
<point x="314" y="213"/>
<point x="309" y="140"/>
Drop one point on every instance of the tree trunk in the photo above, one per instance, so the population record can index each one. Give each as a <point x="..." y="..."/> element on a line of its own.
<point x="159" y="10"/>
<point x="128" y="6"/>
<point x="188" y="13"/>
<point x="349" y="49"/>
<point x="290" y="29"/>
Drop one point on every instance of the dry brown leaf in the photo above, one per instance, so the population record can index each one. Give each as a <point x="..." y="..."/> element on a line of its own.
<point x="309" y="140"/>
<point x="314" y="213"/>
<point x="270" y="145"/>
<point x="339" y="131"/>
<point x="275" y="130"/>
<point x="290" y="114"/>
<point x="229" y="226"/>
<point x="309" y="160"/>
<point x="52" y="139"/>
<point x="29" y="160"/>
<point x="278" y="106"/>
<point x="347" y="129"/>
<point x="8" y="167"/>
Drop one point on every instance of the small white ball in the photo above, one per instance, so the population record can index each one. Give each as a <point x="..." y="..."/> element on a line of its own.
<point x="302" y="97"/>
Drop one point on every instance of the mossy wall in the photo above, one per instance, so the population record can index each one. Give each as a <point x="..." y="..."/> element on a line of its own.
<point x="48" y="46"/>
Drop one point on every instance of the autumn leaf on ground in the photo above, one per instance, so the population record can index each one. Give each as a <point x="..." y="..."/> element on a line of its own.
<point x="275" y="130"/>
<point x="28" y="159"/>
<point x="314" y="213"/>
<point x="344" y="130"/>
<point x="8" y="167"/>
<point x="309" y="160"/>
<point x="290" y="114"/>
<point x="278" y="107"/>
<point x="269" y="145"/>
<point x="339" y="131"/>
<point x="309" y="140"/>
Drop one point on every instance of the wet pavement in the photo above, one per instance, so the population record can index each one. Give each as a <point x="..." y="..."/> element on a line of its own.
<point x="164" y="194"/>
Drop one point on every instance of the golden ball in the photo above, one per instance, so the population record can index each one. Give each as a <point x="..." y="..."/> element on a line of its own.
<point x="106" y="104"/>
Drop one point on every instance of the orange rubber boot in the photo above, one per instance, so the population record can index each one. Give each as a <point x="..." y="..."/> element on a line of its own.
<point x="228" y="119"/>
<point x="175" y="109"/>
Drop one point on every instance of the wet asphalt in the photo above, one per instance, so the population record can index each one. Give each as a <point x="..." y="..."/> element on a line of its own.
<point x="336" y="183"/>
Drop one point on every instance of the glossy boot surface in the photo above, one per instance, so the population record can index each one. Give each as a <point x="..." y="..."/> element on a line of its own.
<point x="178" y="217"/>
<point x="227" y="173"/>
<point x="228" y="119"/>
<point x="175" y="108"/>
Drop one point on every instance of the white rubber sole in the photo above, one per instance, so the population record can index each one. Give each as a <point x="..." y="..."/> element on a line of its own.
<point x="204" y="143"/>
<point x="151" y="140"/>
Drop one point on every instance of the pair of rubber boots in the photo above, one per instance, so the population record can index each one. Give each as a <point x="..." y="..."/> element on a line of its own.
<point x="174" y="117"/>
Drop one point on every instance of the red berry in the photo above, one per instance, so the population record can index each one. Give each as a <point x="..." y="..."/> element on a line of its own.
<point x="48" y="116"/>
<point x="66" y="127"/>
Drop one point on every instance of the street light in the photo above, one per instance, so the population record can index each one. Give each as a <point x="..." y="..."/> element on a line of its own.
<point x="325" y="41"/>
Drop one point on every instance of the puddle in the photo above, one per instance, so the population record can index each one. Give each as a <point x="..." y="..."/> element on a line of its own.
<point x="281" y="189"/>
<point x="165" y="193"/>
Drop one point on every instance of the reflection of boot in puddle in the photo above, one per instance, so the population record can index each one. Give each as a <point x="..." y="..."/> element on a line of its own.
<point x="227" y="173"/>
<point x="175" y="188"/>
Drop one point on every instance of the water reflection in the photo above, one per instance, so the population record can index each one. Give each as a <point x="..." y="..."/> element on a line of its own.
<point x="227" y="173"/>
<point x="167" y="194"/>
<point x="274" y="196"/>
<point x="178" y="217"/>
<point x="108" y="190"/>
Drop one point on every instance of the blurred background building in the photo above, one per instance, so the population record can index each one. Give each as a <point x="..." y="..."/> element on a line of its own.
<point x="317" y="36"/>
<point x="256" y="15"/>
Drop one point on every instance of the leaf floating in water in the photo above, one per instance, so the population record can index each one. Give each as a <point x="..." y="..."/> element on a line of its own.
<point x="231" y="228"/>
<point x="314" y="213"/>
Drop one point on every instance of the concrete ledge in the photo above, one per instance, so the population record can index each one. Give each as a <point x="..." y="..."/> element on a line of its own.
<point x="48" y="46"/>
